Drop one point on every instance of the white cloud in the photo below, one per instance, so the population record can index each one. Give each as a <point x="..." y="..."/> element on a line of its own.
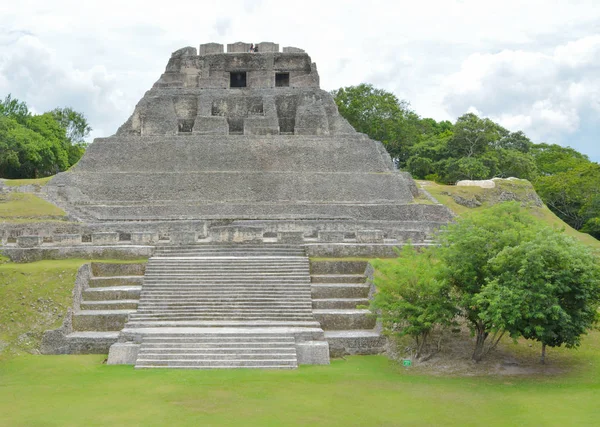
<point x="526" y="64"/>
<point x="547" y="95"/>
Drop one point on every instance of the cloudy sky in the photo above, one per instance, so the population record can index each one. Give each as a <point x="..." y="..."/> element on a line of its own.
<point x="530" y="65"/>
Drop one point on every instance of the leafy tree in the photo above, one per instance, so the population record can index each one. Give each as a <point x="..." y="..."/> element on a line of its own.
<point x="552" y="158"/>
<point x="380" y="115"/>
<point x="473" y="136"/>
<point x="14" y="109"/>
<point x="33" y="146"/>
<point x="546" y="289"/>
<point x="467" y="246"/>
<point x="75" y="124"/>
<point x="574" y="195"/>
<point x="411" y="298"/>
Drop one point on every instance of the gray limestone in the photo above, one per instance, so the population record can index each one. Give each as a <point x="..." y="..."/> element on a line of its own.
<point x="29" y="241"/>
<point x="290" y="237"/>
<point x="144" y="237"/>
<point x="105" y="238"/>
<point x="369" y="236"/>
<point x="123" y="354"/>
<point x="66" y="239"/>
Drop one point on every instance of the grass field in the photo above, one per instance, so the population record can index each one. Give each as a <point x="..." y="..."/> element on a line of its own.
<point x="27" y="207"/>
<point x="33" y="298"/>
<point x="443" y="193"/>
<point x="19" y="182"/>
<point x="367" y="391"/>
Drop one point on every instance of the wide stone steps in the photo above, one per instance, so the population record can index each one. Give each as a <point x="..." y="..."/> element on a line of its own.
<point x="338" y="278"/>
<point x="136" y="324"/>
<point x="339" y="303"/>
<point x="131" y="304"/>
<point x="214" y="352"/>
<point x="339" y="290"/>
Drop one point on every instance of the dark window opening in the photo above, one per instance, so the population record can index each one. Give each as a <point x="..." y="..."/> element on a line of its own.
<point x="282" y="79"/>
<point x="237" y="79"/>
<point x="236" y="125"/>
<point x="185" y="125"/>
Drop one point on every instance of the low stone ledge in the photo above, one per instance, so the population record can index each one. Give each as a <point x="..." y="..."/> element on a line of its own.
<point x="331" y="236"/>
<point x="143" y="237"/>
<point x="29" y="241"/>
<point x="312" y="353"/>
<point x="292" y="237"/>
<point x="66" y="239"/>
<point x="183" y="237"/>
<point x="369" y="236"/>
<point x="123" y="354"/>
<point x="236" y="234"/>
<point x="105" y="238"/>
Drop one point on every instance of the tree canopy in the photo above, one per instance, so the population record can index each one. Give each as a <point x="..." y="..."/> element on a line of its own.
<point x="34" y="146"/>
<point x="475" y="148"/>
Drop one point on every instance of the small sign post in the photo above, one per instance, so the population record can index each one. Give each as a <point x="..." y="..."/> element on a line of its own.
<point x="406" y="363"/>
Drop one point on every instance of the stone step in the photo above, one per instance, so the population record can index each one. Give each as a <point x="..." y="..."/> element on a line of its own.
<point x="347" y="342"/>
<point x="336" y="319"/>
<point x="96" y="282"/>
<point x="210" y="347"/>
<point x="100" y="320"/>
<point x="338" y="278"/>
<point x="90" y="342"/>
<point x="221" y="309"/>
<point x="224" y="316"/>
<point x="226" y="281"/>
<point x="223" y="324"/>
<point x="337" y="290"/>
<point x="128" y="304"/>
<point x="212" y="336"/>
<point x="263" y="354"/>
<point x="226" y="254"/>
<point x="339" y="303"/>
<point x="217" y="364"/>
<point x="112" y="293"/>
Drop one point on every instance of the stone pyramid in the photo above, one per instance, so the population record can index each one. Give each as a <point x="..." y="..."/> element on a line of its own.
<point x="239" y="136"/>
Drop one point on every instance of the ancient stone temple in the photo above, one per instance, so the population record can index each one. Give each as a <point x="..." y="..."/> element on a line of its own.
<point x="232" y="171"/>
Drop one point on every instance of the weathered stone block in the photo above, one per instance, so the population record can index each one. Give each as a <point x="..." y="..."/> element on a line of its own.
<point x="123" y="354"/>
<point x="29" y="241"/>
<point x="211" y="125"/>
<point x="105" y="238"/>
<point x="312" y="353"/>
<point x="238" y="47"/>
<point x="268" y="47"/>
<point x="369" y="236"/>
<point x="66" y="239"/>
<point x="290" y="49"/>
<point x="331" y="236"/>
<point x="183" y="237"/>
<point x="144" y="237"/>
<point x="236" y="234"/>
<point x="211" y="48"/>
<point x="293" y="237"/>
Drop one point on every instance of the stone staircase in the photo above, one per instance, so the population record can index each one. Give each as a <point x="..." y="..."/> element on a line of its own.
<point x="105" y="295"/>
<point x="224" y="306"/>
<point x="339" y="289"/>
<point x="213" y="351"/>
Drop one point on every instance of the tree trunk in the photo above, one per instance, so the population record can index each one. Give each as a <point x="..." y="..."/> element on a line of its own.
<point x="480" y="338"/>
<point x="543" y="357"/>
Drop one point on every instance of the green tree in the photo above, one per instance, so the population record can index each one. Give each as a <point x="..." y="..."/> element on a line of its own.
<point x="411" y="299"/>
<point x="546" y="289"/>
<point x="380" y="115"/>
<point x="473" y="136"/>
<point x="467" y="246"/>
<point x="552" y="158"/>
<point x="14" y="109"/>
<point x="75" y="124"/>
<point x="574" y="195"/>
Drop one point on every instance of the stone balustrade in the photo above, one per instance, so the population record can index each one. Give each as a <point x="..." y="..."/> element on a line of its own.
<point x="216" y="234"/>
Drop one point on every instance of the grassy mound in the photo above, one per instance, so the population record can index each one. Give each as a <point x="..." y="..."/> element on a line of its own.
<point x="25" y="207"/>
<point x="461" y="200"/>
<point x="35" y="297"/>
<point x="20" y="182"/>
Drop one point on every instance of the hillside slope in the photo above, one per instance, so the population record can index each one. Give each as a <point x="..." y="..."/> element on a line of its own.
<point x="465" y="199"/>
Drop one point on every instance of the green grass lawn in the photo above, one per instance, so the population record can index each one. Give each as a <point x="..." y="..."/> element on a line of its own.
<point x="26" y="206"/>
<point x="362" y="390"/>
<point x="19" y="182"/>
<point x="33" y="298"/>
<point x="443" y="194"/>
